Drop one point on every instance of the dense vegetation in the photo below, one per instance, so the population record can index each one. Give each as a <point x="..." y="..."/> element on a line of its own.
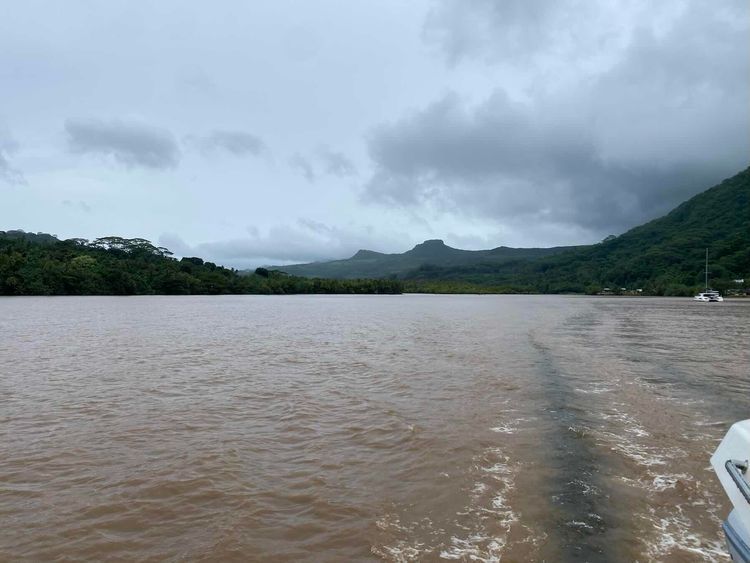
<point x="662" y="257"/>
<point x="370" y="264"/>
<point x="40" y="264"/>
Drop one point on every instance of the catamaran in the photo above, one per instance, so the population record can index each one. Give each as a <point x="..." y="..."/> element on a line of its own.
<point x="709" y="295"/>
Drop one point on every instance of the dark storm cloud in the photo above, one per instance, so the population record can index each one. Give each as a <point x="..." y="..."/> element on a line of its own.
<point x="128" y="143"/>
<point x="666" y="120"/>
<point x="238" y="143"/>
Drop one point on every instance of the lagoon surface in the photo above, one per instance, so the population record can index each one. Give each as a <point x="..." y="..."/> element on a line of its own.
<point x="355" y="428"/>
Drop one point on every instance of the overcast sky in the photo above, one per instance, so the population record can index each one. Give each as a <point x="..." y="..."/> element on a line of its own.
<point x="284" y="131"/>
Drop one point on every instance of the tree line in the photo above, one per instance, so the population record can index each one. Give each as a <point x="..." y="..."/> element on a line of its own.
<point x="40" y="264"/>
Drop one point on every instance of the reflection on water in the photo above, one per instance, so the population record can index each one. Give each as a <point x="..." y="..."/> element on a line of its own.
<point x="347" y="428"/>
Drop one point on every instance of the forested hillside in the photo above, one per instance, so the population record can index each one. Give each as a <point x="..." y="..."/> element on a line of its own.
<point x="662" y="257"/>
<point x="40" y="264"/>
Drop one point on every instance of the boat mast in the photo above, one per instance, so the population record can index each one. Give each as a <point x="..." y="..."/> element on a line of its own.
<point x="707" y="269"/>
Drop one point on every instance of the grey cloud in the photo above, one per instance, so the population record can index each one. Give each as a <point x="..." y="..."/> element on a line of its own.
<point x="331" y="162"/>
<point x="303" y="166"/>
<point x="491" y="28"/>
<point x="238" y="143"/>
<point x="8" y="173"/>
<point x="665" y="121"/>
<point x="80" y="205"/>
<point x="197" y="81"/>
<point x="176" y="244"/>
<point x="128" y="143"/>
<point x="304" y="241"/>
<point x="500" y="161"/>
<point x="336" y="163"/>
<point x="7" y="143"/>
<point x="523" y="32"/>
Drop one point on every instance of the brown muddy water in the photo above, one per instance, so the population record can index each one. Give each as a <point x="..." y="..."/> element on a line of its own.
<point x="355" y="428"/>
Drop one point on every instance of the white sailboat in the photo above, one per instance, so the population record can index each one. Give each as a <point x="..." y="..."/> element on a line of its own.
<point x="709" y="295"/>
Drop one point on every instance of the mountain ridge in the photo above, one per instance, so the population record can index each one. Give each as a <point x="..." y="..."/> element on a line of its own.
<point x="661" y="256"/>
<point x="369" y="263"/>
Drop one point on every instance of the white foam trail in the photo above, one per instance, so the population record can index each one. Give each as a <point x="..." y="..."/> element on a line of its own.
<point x="511" y="427"/>
<point x="402" y="551"/>
<point x="668" y="481"/>
<point x="579" y="525"/>
<point x="504" y="429"/>
<point x="479" y="489"/>
<point x="461" y="549"/>
<point x="674" y="534"/>
<point x="488" y="506"/>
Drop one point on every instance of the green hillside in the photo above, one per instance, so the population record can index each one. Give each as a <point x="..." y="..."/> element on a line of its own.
<point x="370" y="264"/>
<point x="663" y="257"/>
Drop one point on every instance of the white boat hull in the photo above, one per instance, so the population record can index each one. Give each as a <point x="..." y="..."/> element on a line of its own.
<point x="709" y="297"/>
<point x="731" y="462"/>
